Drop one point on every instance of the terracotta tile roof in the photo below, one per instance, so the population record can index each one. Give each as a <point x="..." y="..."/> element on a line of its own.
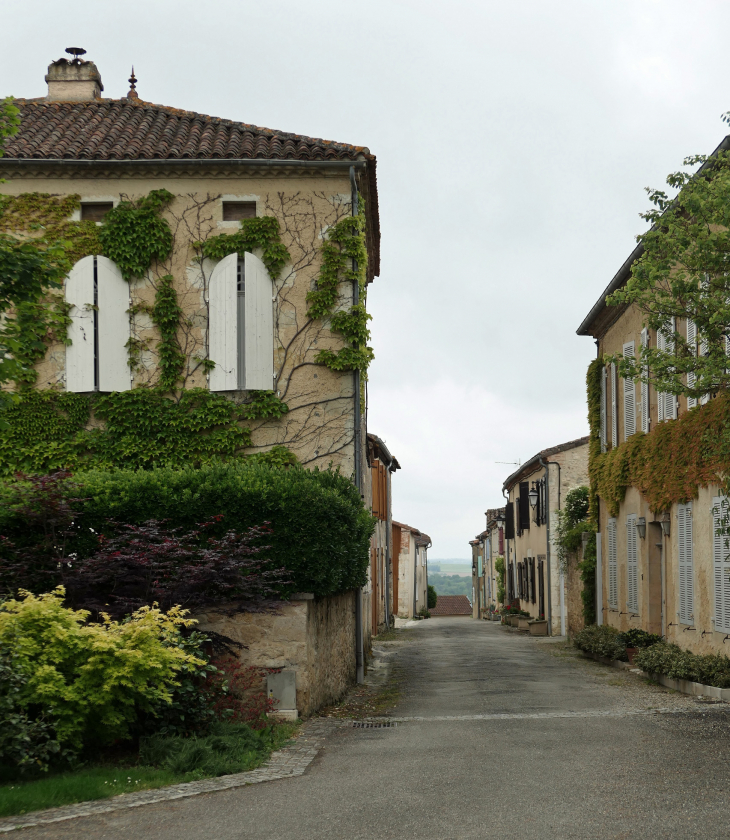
<point x="128" y="129"/>
<point x="451" y="605"/>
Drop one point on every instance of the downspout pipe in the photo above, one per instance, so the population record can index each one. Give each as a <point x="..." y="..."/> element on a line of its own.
<point x="506" y="551"/>
<point x="546" y="465"/>
<point x="357" y="440"/>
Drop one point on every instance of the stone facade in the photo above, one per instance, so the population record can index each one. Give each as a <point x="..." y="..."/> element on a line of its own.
<point x="314" y="637"/>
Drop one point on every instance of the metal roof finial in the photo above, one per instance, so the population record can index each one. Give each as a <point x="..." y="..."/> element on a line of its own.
<point x="133" y="86"/>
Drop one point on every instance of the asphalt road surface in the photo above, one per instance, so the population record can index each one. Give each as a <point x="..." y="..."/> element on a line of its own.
<point x="497" y="735"/>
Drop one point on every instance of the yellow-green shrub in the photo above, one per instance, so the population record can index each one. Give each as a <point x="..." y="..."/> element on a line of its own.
<point x="93" y="679"/>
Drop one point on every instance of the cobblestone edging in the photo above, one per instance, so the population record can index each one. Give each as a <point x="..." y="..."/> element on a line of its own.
<point x="292" y="760"/>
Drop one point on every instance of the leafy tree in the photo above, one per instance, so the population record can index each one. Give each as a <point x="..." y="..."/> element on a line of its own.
<point x="432" y="597"/>
<point x="684" y="274"/>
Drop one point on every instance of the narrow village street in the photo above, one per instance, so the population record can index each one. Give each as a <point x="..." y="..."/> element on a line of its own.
<point x="497" y="733"/>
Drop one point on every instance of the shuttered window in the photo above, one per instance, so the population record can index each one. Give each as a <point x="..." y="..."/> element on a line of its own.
<point x="629" y="396"/>
<point x="614" y="405"/>
<point x="612" y="565"/>
<point x="632" y="581"/>
<point x="241" y="325"/>
<point x="533" y="588"/>
<point x="644" y="408"/>
<point x="721" y="563"/>
<point x="97" y="358"/>
<point x="686" y="572"/>
<point x="667" y="403"/>
<point x="692" y="346"/>
<point x="524" y="506"/>
<point x="603" y="410"/>
<point x="509" y="521"/>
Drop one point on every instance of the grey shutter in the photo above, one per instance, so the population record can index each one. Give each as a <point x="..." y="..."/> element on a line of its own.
<point x="644" y="386"/>
<point x="114" y="327"/>
<point x="223" y="324"/>
<point x="603" y="409"/>
<point x="632" y="582"/>
<point x="670" y="408"/>
<point x="259" y="327"/>
<point x="721" y="564"/>
<point x="629" y="397"/>
<point x="79" y="293"/>
<point x="686" y="576"/>
<point x="661" y="397"/>
<point x="692" y="345"/>
<point x="612" y="565"/>
<point x="614" y="406"/>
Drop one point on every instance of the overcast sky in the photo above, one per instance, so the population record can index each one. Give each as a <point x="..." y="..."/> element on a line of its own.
<point x="513" y="140"/>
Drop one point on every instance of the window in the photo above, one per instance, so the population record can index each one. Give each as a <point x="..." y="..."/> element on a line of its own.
<point x="94" y="211"/>
<point x="604" y="437"/>
<point x="692" y="344"/>
<point x="721" y="563"/>
<point x="614" y="405"/>
<point x="97" y="358"/>
<point x="629" y="397"/>
<point x="235" y="211"/>
<point x="666" y="403"/>
<point x="645" y="416"/>
<point x="241" y="325"/>
<point x="632" y="582"/>
<point x="524" y="506"/>
<point x="686" y="576"/>
<point x="612" y="570"/>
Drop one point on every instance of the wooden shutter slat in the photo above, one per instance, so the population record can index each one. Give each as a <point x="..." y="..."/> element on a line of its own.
<point x="259" y="328"/>
<point x="644" y="387"/>
<point x="629" y="396"/>
<point x="114" y="327"/>
<point x="223" y="324"/>
<point x="614" y="405"/>
<point x="79" y="293"/>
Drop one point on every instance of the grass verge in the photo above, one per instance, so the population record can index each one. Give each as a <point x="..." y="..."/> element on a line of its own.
<point x="229" y="748"/>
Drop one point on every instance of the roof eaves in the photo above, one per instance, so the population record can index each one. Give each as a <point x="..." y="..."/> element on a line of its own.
<point x="511" y="480"/>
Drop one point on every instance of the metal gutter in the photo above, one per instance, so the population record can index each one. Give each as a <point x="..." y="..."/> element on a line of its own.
<point x="244" y="163"/>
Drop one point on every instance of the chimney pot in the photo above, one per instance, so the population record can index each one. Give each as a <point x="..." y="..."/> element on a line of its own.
<point x="73" y="80"/>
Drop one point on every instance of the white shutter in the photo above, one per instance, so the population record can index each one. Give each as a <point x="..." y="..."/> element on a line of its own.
<point x="692" y="344"/>
<point x="612" y="565"/>
<point x="259" y="327"/>
<point x="686" y="576"/>
<point x="632" y="583"/>
<point x="223" y="325"/>
<point x="614" y="406"/>
<point x="80" y="353"/>
<point x="629" y="397"/>
<point x="704" y="349"/>
<point x="603" y="409"/>
<point x="645" y="387"/>
<point x="113" y="320"/>
<point x="670" y="409"/>
<point x="721" y="564"/>
<point x="661" y="344"/>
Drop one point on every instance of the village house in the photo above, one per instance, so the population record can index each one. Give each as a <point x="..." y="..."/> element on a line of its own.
<point x="662" y="570"/>
<point x="535" y="493"/>
<point x="410" y="585"/>
<point x="273" y="240"/>
<point x="486" y="548"/>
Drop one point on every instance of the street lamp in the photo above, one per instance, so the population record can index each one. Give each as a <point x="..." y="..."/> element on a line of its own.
<point x="532" y="496"/>
<point x="641" y="527"/>
<point x="666" y="524"/>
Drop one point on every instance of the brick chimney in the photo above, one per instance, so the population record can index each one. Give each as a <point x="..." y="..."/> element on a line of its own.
<point x="73" y="80"/>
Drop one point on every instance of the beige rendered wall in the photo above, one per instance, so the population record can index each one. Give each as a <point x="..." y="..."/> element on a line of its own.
<point x="319" y="426"/>
<point x="314" y="637"/>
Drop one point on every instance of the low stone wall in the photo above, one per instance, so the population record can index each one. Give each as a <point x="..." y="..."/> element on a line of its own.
<point x="314" y="637"/>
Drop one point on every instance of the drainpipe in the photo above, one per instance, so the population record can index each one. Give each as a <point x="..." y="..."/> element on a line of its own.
<point x="359" y="652"/>
<point x="599" y="557"/>
<point x="549" y="615"/>
<point x="388" y="546"/>
<point x="506" y="551"/>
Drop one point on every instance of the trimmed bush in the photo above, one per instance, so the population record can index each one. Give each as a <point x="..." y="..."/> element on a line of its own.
<point x="320" y="529"/>
<point x="636" y="638"/>
<point x="672" y="661"/>
<point x="602" y="641"/>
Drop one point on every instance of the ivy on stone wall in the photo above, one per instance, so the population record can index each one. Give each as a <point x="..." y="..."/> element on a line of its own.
<point x="166" y="315"/>
<point x="262" y="233"/>
<point x="669" y="464"/>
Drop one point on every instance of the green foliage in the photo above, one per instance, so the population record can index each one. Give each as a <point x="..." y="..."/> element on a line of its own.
<point x="262" y="405"/>
<point x="683" y="273"/>
<point x="450" y="584"/>
<point x="432" y="597"/>
<point x="587" y="569"/>
<point x="277" y="456"/>
<point x="93" y="679"/>
<point x="604" y="641"/>
<point x="670" y="660"/>
<point x="348" y="358"/>
<point x="321" y="530"/>
<point x="166" y="315"/>
<point x="573" y="522"/>
<point x="9" y="120"/>
<point x="593" y="393"/>
<point x="499" y="568"/>
<point x="636" y="638"/>
<point x="262" y="233"/>
<point x="134" y="234"/>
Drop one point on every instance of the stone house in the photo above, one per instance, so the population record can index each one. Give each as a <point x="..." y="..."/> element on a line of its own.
<point x="660" y="567"/>
<point x="383" y="601"/>
<point x="484" y="575"/>
<point x="410" y="586"/>
<point x="251" y="214"/>
<point x="535" y="492"/>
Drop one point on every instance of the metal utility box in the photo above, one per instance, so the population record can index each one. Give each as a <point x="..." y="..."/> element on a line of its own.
<point x="282" y="689"/>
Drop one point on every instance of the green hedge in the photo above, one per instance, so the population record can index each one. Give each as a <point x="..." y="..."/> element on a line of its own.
<point x="321" y="530"/>
<point x="671" y="661"/>
<point x="603" y="641"/>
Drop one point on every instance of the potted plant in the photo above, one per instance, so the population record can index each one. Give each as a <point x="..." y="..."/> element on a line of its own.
<point x="523" y="620"/>
<point x="635" y="639"/>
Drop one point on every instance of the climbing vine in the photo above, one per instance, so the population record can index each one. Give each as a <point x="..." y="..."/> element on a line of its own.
<point x="166" y="315"/>
<point x="669" y="464"/>
<point x="263" y="233"/>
